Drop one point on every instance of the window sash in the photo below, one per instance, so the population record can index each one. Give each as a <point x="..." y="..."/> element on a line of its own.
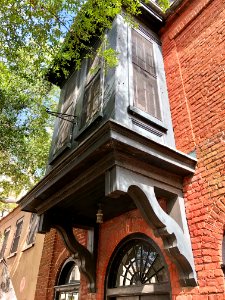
<point x="33" y="228"/>
<point x="4" y="244"/>
<point x="64" y="128"/>
<point x="17" y="234"/>
<point x="70" y="282"/>
<point x="91" y="100"/>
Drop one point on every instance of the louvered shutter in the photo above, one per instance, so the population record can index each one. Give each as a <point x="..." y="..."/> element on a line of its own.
<point x="92" y="94"/>
<point x="146" y="95"/>
<point x="63" y="129"/>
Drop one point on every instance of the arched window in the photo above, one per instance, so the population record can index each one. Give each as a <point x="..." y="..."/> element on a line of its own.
<point x="68" y="284"/>
<point x="223" y="254"/>
<point x="137" y="271"/>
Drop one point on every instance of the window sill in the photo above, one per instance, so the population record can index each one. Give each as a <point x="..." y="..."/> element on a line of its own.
<point x="146" y="118"/>
<point x="72" y="287"/>
<point x="28" y="247"/>
<point x="12" y="255"/>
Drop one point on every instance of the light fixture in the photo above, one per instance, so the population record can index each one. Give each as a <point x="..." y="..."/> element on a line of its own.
<point x="99" y="214"/>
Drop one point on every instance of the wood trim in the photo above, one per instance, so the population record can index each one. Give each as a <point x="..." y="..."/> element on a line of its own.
<point x="110" y="138"/>
<point x="147" y="118"/>
<point x="67" y="287"/>
<point x="162" y="288"/>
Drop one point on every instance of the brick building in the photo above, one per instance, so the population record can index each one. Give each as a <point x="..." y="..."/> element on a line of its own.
<point x="151" y="164"/>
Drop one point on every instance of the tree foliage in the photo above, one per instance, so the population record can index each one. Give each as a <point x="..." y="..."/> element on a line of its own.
<point x="33" y="35"/>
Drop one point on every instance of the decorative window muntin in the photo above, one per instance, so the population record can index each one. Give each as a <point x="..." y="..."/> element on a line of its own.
<point x="17" y="235"/>
<point x="137" y="261"/>
<point x="139" y="264"/>
<point x="33" y="228"/>
<point x="4" y="243"/>
<point x="68" y="283"/>
<point x="145" y="85"/>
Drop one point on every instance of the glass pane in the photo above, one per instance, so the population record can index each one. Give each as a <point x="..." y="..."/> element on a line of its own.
<point x="68" y="296"/>
<point x="140" y="264"/>
<point x="74" y="275"/>
<point x="69" y="282"/>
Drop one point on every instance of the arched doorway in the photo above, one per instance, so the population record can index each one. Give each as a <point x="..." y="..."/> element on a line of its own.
<point x="137" y="271"/>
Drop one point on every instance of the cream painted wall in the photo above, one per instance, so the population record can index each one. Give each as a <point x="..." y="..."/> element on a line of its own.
<point x="24" y="264"/>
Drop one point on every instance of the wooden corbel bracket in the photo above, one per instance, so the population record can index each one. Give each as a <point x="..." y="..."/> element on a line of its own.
<point x="83" y="257"/>
<point x="176" y="240"/>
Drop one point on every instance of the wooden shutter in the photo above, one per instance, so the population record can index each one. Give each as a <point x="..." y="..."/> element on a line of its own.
<point x="4" y="244"/>
<point x="93" y="68"/>
<point x="146" y="95"/>
<point x="91" y="102"/>
<point x="92" y="93"/>
<point x="63" y="129"/>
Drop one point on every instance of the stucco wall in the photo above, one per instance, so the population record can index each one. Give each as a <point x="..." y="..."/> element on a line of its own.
<point x="23" y="266"/>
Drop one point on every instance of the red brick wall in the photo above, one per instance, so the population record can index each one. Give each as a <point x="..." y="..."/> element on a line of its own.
<point x="111" y="233"/>
<point x="194" y="57"/>
<point x="53" y="257"/>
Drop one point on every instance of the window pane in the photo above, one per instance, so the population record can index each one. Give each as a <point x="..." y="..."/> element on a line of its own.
<point x="68" y="283"/>
<point x="68" y="296"/>
<point x="74" y="275"/>
<point x="139" y="264"/>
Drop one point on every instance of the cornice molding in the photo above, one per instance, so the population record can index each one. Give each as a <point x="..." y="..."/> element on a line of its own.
<point x="106" y="143"/>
